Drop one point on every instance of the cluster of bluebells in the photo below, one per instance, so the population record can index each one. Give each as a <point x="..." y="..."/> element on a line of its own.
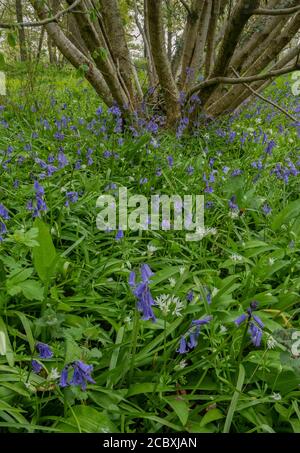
<point x="45" y="352"/>
<point x="142" y="292"/>
<point x="283" y="173"/>
<point x="80" y="377"/>
<point x="190" y="340"/>
<point x="3" y="216"/>
<point x="71" y="197"/>
<point x="39" y="205"/>
<point x="254" y="322"/>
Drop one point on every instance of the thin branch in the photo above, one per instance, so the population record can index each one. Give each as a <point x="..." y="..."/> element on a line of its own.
<point x="263" y="98"/>
<point x="234" y="81"/>
<point x="184" y="3"/>
<point x="276" y="12"/>
<point x="40" y="23"/>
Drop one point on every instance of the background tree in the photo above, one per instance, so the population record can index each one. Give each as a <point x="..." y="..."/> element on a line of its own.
<point x="200" y="52"/>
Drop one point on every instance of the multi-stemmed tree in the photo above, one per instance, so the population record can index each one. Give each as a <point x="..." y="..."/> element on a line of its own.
<point x="224" y="51"/>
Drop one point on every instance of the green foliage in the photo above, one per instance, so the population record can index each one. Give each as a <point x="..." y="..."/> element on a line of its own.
<point x="65" y="283"/>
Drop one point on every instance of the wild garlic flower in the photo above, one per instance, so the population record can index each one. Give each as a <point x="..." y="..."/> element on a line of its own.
<point x="172" y="282"/>
<point x="236" y="257"/>
<point x="169" y="304"/>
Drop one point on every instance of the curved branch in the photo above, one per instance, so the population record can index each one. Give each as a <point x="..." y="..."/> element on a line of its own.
<point x="40" y="23"/>
<point x="263" y="98"/>
<point x="184" y="3"/>
<point x="243" y="80"/>
<point x="276" y="12"/>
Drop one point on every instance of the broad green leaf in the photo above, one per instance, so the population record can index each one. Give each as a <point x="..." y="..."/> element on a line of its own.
<point x="210" y="416"/>
<point x="180" y="407"/>
<point x="86" y="419"/>
<point x="44" y="256"/>
<point x="32" y="290"/>
<point x="291" y="211"/>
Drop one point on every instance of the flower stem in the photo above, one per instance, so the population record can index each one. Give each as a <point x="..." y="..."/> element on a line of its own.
<point x="135" y="331"/>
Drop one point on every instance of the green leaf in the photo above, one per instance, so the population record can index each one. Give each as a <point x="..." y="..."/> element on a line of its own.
<point x="5" y="344"/>
<point x="235" y="398"/>
<point x="291" y="211"/>
<point x="211" y="416"/>
<point x="27" y="328"/>
<point x="44" y="256"/>
<point x="85" y="419"/>
<point x="32" y="290"/>
<point x="180" y="407"/>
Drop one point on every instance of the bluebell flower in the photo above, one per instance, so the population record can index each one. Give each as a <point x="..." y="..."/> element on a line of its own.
<point x="236" y="172"/>
<point x="240" y="319"/>
<point x="255" y="323"/>
<point x="72" y="197"/>
<point x="190" y="170"/>
<point x="119" y="235"/>
<point x="193" y="338"/>
<point x="202" y="322"/>
<point x="232" y="203"/>
<point x="132" y="279"/>
<point x="44" y="350"/>
<point x="190" y="296"/>
<point x="64" y="377"/>
<point x="193" y="335"/>
<point x="256" y="334"/>
<point x="4" y="212"/>
<point x="270" y="146"/>
<point x="183" y="349"/>
<point x="142" y="293"/>
<point x="36" y="366"/>
<point x="266" y="209"/>
<point x="170" y="161"/>
<point x="114" y="110"/>
<point x="62" y="159"/>
<point x="81" y="375"/>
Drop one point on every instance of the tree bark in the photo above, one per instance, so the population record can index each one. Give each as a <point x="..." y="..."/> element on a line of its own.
<point x="117" y="40"/>
<point x="21" y="31"/>
<point x="72" y="54"/>
<point x="211" y="37"/>
<point x="162" y="65"/>
<point x="190" y="37"/>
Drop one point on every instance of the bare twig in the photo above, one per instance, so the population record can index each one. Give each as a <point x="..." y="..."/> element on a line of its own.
<point x="235" y="81"/>
<point x="263" y="98"/>
<point x="40" y="23"/>
<point x="276" y="12"/>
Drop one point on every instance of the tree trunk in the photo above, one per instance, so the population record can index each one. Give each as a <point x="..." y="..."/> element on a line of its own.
<point x="21" y="31"/>
<point x="162" y="65"/>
